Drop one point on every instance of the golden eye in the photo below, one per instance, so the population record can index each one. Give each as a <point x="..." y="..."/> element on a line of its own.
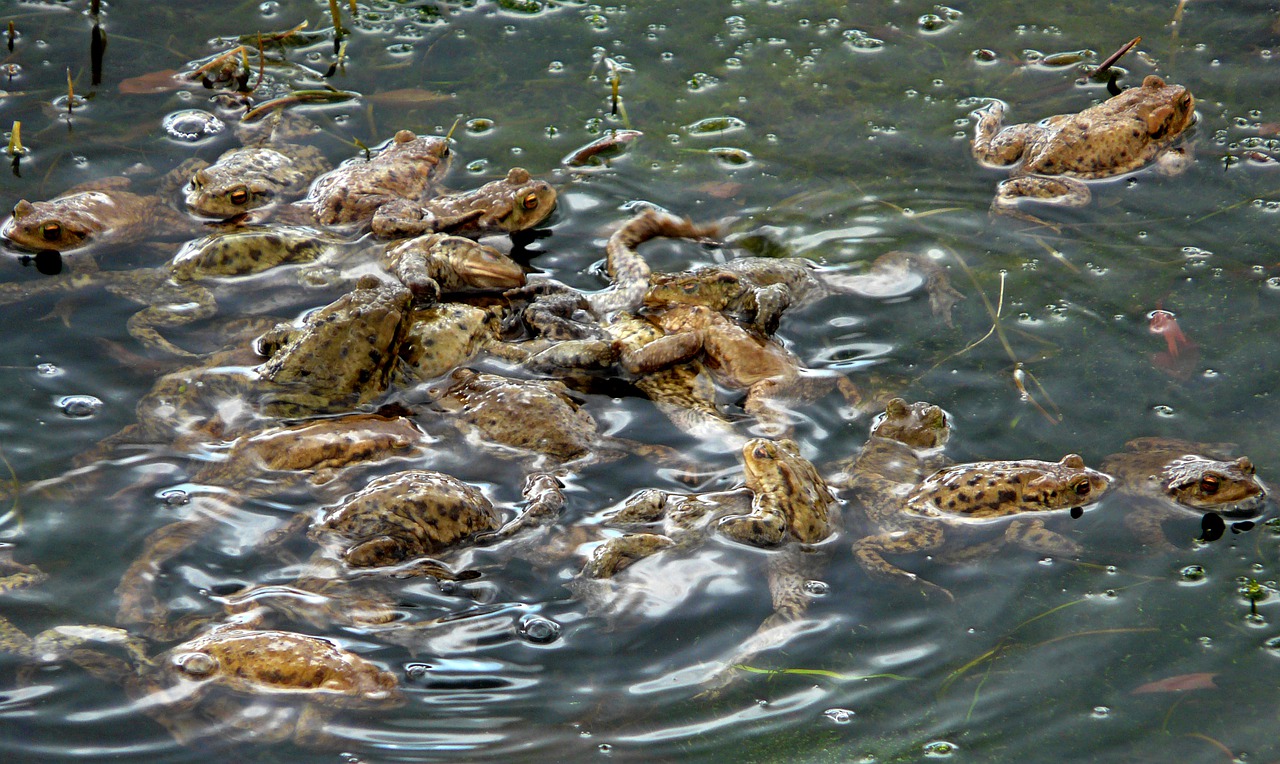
<point x="761" y="451"/>
<point x="1082" y="487"/>
<point x="238" y="195"/>
<point x="1209" y="484"/>
<point x="51" y="231"/>
<point x="530" y="201"/>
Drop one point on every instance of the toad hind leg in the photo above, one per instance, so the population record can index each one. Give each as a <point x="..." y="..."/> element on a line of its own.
<point x="1032" y="535"/>
<point x="869" y="552"/>
<point x="1062" y="191"/>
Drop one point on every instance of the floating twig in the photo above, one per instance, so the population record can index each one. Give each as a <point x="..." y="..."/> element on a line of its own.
<point x="217" y="62"/>
<point x="15" y="140"/>
<point x="262" y="64"/>
<point x="338" y="31"/>
<point x="1114" y="57"/>
<point x="616" y="69"/>
<point x="97" y="49"/>
<point x="71" y="93"/>
<point x="822" y="672"/>
<point x="299" y="96"/>
<point x="13" y="32"/>
<point x="14" y="513"/>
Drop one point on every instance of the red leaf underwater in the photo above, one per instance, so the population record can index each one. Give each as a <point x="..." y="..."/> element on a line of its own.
<point x="1201" y="680"/>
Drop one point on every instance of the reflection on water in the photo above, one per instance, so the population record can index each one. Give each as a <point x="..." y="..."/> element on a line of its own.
<point x="856" y="124"/>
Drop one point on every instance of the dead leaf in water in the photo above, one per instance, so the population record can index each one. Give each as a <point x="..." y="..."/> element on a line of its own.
<point x="1201" y="680"/>
<point x="163" y="81"/>
<point x="721" y="190"/>
<point x="407" y="97"/>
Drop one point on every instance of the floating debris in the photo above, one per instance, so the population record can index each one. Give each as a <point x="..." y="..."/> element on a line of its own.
<point x="1114" y="57"/>
<point x="601" y="150"/>
<point x="715" y="126"/>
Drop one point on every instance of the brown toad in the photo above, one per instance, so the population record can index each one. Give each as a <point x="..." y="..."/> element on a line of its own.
<point x="756" y="290"/>
<point x="98" y="212"/>
<point x="911" y="515"/>
<point x="515" y="203"/>
<point x="248" y="684"/>
<point x="1166" y="478"/>
<point x="405" y="171"/>
<point x="1120" y="135"/>
<point x="785" y="506"/>
<point x="763" y="367"/>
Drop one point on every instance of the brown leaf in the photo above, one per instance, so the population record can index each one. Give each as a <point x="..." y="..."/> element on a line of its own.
<point x="407" y="97"/>
<point x="162" y="81"/>
<point x="721" y="190"/>
<point x="1201" y="680"/>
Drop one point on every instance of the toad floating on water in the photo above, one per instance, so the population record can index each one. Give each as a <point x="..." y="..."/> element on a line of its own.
<point x="250" y="684"/>
<point x="1120" y="135"/>
<point x="99" y="212"/>
<point x="913" y="515"/>
<point x="1167" y="478"/>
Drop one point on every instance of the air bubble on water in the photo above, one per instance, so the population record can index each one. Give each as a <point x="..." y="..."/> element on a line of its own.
<point x="1163" y="411"/>
<point x="416" y="671"/>
<point x="48" y="370"/>
<point x="816" y="588"/>
<point x="1192" y="574"/>
<point x="192" y="125"/>
<point x="175" y="497"/>
<point x="538" y="630"/>
<point x="839" y="715"/>
<point x="79" y="406"/>
<point x="1100" y="712"/>
<point x="939" y="749"/>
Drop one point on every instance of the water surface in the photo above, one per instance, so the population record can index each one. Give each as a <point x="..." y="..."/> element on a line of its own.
<point x="845" y="136"/>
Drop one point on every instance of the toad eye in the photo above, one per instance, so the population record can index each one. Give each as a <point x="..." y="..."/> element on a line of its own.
<point x="1209" y="484"/>
<point x="51" y="231"/>
<point x="761" y="451"/>
<point x="530" y="201"/>
<point x="238" y="195"/>
<point x="1081" y="486"/>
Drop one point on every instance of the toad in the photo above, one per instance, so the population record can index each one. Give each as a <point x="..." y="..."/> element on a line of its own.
<point x="1165" y="478"/>
<point x="515" y="203"/>
<point x="756" y="290"/>
<point x="98" y="212"/>
<point x="248" y="684"/>
<point x="1128" y="131"/>
<point x="909" y="514"/>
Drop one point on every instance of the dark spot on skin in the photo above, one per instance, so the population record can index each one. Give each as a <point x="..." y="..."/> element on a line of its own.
<point x="963" y="497"/>
<point x="975" y="480"/>
<point x="1007" y="495"/>
<point x="951" y="504"/>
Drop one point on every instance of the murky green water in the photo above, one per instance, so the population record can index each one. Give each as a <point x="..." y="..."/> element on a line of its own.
<point x="849" y="138"/>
